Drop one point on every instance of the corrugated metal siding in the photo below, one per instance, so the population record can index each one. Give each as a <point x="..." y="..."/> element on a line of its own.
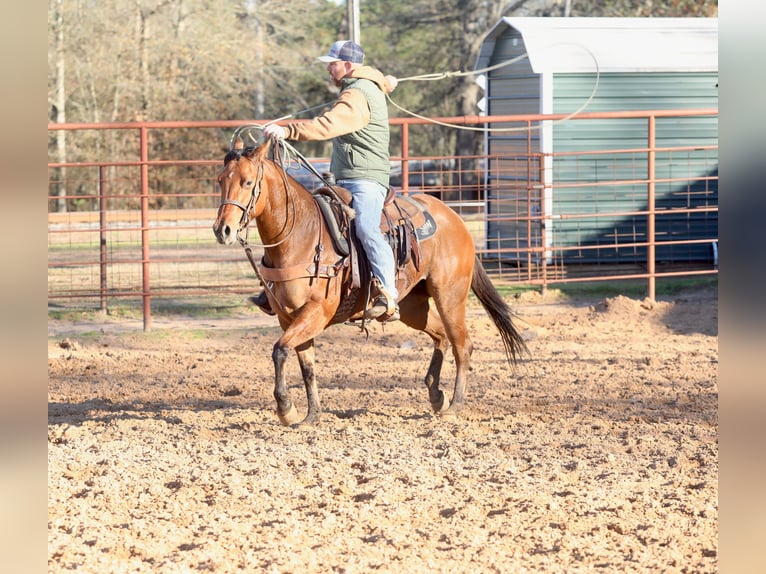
<point x="513" y="89"/>
<point x="635" y="91"/>
<point x="513" y="192"/>
<point x="516" y="89"/>
<point x="639" y="91"/>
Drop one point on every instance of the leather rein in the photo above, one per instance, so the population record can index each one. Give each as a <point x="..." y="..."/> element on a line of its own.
<point x="313" y="269"/>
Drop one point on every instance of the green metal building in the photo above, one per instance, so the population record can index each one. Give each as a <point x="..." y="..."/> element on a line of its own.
<point x="575" y="65"/>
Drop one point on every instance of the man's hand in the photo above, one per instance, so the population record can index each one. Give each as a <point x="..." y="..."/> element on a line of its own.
<point x="274" y="131"/>
<point x="392" y="83"/>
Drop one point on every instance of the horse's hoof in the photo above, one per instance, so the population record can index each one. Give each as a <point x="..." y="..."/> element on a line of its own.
<point x="440" y="407"/>
<point x="307" y="423"/>
<point x="448" y="415"/>
<point x="289" y="418"/>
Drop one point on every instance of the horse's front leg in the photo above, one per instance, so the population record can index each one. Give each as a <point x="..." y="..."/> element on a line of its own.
<point x="309" y="322"/>
<point x="286" y="411"/>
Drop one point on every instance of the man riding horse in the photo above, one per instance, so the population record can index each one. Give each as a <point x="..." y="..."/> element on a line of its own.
<point x="358" y="125"/>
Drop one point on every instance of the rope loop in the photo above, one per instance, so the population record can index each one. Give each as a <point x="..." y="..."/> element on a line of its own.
<point x="430" y="77"/>
<point x="293" y="153"/>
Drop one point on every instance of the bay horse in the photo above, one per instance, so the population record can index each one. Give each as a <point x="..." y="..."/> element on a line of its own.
<point x="256" y="188"/>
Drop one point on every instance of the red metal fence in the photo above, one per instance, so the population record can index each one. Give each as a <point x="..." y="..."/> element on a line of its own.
<point x="141" y="229"/>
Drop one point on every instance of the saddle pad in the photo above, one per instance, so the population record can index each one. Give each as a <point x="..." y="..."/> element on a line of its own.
<point x="406" y="208"/>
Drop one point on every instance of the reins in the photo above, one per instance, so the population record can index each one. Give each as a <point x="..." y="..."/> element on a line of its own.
<point x="290" y="153"/>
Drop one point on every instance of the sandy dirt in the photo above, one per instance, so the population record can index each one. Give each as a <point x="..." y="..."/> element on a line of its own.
<point x="600" y="453"/>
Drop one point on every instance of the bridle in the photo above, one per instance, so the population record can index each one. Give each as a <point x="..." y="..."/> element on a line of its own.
<point x="255" y="193"/>
<point x="244" y="221"/>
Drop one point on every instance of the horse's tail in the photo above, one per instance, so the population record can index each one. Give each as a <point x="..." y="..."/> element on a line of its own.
<point x="499" y="312"/>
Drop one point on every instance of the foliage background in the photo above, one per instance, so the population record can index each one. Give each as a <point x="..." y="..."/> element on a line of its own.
<point x="251" y="60"/>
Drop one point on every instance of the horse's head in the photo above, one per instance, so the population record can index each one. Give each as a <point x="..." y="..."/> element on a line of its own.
<point x="240" y="183"/>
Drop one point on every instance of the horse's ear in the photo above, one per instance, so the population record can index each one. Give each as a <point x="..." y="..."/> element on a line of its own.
<point x="263" y="149"/>
<point x="238" y="144"/>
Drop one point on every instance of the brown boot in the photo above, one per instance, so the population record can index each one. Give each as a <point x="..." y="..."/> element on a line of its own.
<point x="384" y="307"/>
<point x="262" y="302"/>
<point x="383" y="310"/>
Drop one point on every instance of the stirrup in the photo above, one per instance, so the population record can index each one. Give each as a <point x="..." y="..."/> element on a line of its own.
<point x="384" y="307"/>
<point x="394" y="316"/>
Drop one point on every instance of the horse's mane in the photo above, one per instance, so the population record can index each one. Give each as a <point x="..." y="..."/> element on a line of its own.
<point x="237" y="153"/>
<point x="261" y="154"/>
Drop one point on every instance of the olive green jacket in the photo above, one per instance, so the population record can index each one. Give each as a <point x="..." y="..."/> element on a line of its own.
<point x="358" y="126"/>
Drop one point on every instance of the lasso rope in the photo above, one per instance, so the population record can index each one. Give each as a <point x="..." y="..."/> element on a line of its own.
<point x="290" y="153"/>
<point x="440" y="76"/>
<point x="293" y="153"/>
<point x="443" y="75"/>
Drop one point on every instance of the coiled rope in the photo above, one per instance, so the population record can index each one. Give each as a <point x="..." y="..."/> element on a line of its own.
<point x="289" y="154"/>
<point x="440" y="76"/>
<point x="445" y="75"/>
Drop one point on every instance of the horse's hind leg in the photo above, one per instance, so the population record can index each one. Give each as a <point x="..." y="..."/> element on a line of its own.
<point x="451" y="306"/>
<point x="415" y="313"/>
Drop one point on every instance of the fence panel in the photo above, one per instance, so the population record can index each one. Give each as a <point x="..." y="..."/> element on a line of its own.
<point x="141" y="229"/>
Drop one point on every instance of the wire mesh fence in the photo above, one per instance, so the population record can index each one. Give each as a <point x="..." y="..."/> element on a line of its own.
<point x="141" y="230"/>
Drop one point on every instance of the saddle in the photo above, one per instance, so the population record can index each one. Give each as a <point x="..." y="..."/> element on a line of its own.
<point x="405" y="222"/>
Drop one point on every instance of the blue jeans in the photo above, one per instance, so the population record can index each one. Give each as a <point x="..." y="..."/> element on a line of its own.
<point x="368" y="204"/>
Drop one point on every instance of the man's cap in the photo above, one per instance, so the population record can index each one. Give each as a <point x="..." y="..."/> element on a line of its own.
<point x="344" y="50"/>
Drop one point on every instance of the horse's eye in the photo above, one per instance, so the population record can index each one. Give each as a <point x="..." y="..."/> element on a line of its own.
<point x="249" y="183"/>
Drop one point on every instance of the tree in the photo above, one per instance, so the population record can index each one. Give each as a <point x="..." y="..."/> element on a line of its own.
<point x="176" y="59"/>
<point x="114" y="60"/>
<point x="57" y="100"/>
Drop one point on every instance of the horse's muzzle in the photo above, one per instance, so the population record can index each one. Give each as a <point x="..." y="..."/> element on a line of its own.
<point x="224" y="233"/>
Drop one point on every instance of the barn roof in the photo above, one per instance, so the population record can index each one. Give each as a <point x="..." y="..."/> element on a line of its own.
<point x="560" y="45"/>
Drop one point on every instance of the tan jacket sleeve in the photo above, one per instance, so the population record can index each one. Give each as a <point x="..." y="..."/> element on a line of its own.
<point x="349" y="114"/>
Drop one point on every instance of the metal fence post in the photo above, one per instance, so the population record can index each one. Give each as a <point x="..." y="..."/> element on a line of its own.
<point x="544" y="220"/>
<point x="650" y="217"/>
<point x="145" y="229"/>
<point x="102" y="233"/>
<point x="405" y="158"/>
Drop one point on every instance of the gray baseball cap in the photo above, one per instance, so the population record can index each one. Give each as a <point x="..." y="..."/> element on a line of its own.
<point x="345" y="51"/>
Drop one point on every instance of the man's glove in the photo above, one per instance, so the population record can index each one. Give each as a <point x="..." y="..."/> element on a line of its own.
<point x="274" y="131"/>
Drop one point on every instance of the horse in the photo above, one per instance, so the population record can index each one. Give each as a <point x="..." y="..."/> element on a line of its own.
<point x="307" y="283"/>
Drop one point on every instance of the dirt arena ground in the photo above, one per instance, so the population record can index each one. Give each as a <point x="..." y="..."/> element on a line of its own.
<point x="600" y="453"/>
